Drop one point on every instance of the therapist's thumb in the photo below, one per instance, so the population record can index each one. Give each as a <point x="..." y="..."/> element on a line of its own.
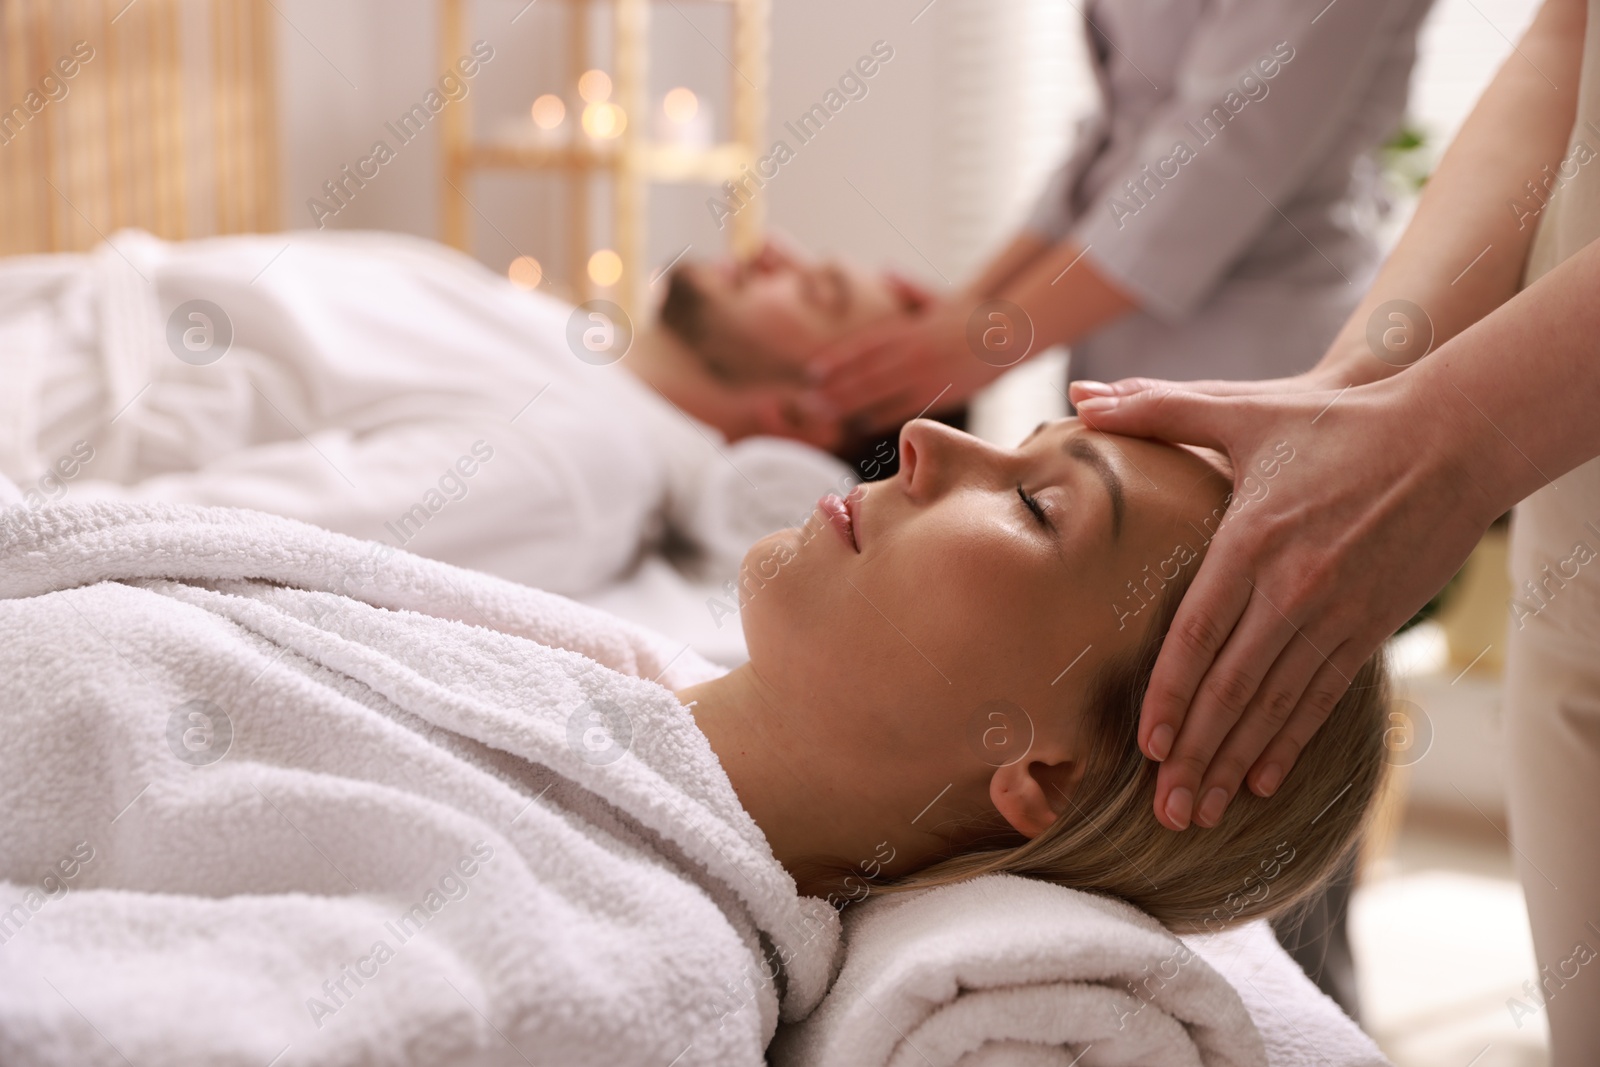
<point x="1143" y="407"/>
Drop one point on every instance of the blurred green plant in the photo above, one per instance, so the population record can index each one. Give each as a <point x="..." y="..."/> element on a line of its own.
<point x="1406" y="158"/>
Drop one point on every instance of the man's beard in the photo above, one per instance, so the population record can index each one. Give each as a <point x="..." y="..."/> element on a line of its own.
<point x="684" y="311"/>
<point x="688" y="314"/>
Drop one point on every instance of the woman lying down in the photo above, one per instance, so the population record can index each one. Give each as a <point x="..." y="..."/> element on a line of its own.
<point x="273" y="792"/>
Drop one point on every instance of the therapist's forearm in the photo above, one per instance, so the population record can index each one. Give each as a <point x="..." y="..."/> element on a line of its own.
<point x="1059" y="288"/>
<point x="1066" y="296"/>
<point x="1023" y="251"/>
<point x="1463" y="253"/>
<point x="1516" y="397"/>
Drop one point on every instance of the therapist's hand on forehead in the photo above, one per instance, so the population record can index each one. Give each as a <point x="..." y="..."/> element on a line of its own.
<point x="1390" y="485"/>
<point x="1320" y="558"/>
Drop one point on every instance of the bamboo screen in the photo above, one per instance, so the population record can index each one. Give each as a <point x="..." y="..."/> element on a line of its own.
<point x="157" y="114"/>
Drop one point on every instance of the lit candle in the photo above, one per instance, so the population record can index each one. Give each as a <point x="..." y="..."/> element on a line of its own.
<point x="549" y="114"/>
<point x="602" y="120"/>
<point x="525" y="273"/>
<point x="594" y="86"/>
<point x="605" y="268"/>
<point x="682" y="122"/>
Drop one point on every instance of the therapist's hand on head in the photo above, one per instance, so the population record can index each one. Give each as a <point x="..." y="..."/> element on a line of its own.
<point x="1350" y="510"/>
<point x="898" y="369"/>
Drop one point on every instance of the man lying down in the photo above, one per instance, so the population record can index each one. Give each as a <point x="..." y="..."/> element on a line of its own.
<point x="265" y="797"/>
<point x="393" y="389"/>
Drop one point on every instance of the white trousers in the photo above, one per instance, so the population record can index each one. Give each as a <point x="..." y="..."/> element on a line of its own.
<point x="1552" y="731"/>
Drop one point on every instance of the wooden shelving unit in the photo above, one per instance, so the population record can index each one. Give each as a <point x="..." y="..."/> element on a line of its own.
<point x="631" y="160"/>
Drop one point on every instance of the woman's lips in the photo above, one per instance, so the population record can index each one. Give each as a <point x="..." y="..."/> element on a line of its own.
<point x="839" y="517"/>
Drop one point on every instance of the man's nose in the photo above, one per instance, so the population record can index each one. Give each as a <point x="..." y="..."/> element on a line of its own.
<point x="772" y="257"/>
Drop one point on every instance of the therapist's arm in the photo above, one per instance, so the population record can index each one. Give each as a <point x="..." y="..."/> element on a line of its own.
<point x="1463" y="252"/>
<point x="1022" y="252"/>
<point x="1393" y="481"/>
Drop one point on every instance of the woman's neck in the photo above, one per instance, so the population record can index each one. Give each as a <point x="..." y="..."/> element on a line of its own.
<point x="825" y="818"/>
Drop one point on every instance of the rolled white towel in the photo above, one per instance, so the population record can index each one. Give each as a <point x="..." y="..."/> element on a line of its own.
<point x="760" y="484"/>
<point x="1008" y="970"/>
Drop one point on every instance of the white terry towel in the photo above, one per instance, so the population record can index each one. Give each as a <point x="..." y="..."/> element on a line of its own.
<point x="273" y="795"/>
<point x="1300" y="1024"/>
<point x="766" y="484"/>
<point x="1002" y="970"/>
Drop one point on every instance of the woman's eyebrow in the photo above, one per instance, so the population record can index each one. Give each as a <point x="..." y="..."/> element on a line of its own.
<point x="1085" y="451"/>
<point x="1035" y="431"/>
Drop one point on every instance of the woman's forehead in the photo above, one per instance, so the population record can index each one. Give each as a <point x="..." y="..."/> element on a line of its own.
<point x="1165" y="481"/>
<point x="1073" y="424"/>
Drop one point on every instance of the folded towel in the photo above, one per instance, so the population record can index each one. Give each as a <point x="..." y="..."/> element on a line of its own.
<point x="759" y="485"/>
<point x="1007" y="970"/>
<point x="1300" y="1024"/>
<point x="275" y="795"/>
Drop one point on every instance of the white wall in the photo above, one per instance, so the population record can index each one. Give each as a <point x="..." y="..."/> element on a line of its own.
<point x="977" y="96"/>
<point x="876" y="184"/>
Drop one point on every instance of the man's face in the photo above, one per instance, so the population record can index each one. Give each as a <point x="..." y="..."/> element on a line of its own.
<point x="764" y="318"/>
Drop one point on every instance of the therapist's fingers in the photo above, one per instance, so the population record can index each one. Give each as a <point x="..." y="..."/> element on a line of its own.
<point x="876" y="371"/>
<point x="1269" y="711"/>
<point x="1330" y="683"/>
<point x="828" y="362"/>
<point x="1166" y="410"/>
<point x="854" y="349"/>
<point x="1307" y="381"/>
<point x="865" y="387"/>
<point x="1083" y="388"/>
<point x="1235" y="668"/>
<point x="1210" y="609"/>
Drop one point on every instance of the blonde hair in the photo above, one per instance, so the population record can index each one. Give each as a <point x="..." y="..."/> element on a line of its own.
<point x="1263" y="858"/>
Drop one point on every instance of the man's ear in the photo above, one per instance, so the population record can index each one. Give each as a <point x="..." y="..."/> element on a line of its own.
<point x="1031" y="795"/>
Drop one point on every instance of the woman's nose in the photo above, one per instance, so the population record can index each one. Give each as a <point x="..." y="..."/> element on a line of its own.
<point x="933" y="456"/>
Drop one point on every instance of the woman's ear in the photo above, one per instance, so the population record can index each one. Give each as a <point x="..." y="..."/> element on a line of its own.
<point x="1030" y="795"/>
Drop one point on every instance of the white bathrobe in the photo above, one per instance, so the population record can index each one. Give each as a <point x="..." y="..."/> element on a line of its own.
<point x="272" y="795"/>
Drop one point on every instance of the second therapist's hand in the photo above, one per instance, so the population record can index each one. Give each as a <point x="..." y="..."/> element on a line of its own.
<point x="1350" y="509"/>
<point x="898" y="369"/>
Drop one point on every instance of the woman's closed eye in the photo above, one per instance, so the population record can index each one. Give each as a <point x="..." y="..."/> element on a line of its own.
<point x="1040" y="512"/>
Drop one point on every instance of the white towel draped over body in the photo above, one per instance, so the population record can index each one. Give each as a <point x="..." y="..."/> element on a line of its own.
<point x="454" y="820"/>
<point x="367" y="373"/>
